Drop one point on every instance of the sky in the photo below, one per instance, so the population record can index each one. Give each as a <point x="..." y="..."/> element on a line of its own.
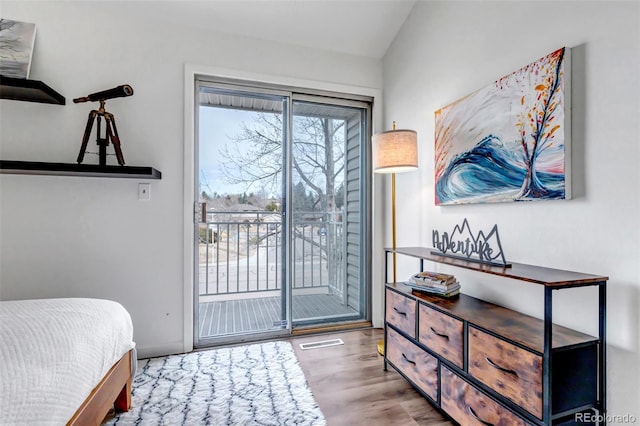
<point x="217" y="127"/>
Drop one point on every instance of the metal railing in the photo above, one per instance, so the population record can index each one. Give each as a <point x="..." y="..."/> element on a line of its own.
<point x="241" y="252"/>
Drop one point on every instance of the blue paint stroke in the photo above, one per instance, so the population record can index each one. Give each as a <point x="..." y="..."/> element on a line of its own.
<point x="488" y="170"/>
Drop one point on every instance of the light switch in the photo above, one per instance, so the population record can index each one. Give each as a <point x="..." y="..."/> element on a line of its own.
<point x="144" y="191"/>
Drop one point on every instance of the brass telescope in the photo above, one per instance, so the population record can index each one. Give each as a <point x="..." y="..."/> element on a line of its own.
<point x="111" y="134"/>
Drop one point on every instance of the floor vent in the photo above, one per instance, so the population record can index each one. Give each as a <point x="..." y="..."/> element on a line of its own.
<point x="321" y="344"/>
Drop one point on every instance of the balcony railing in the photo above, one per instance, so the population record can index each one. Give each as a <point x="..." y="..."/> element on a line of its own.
<point x="241" y="252"/>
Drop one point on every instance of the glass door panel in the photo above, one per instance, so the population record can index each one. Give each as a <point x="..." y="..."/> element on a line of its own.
<point x="326" y="214"/>
<point x="240" y="240"/>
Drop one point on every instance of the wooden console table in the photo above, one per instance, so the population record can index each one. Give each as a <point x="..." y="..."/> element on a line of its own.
<point x="485" y="364"/>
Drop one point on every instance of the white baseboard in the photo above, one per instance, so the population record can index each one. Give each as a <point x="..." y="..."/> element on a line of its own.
<point x="160" y="350"/>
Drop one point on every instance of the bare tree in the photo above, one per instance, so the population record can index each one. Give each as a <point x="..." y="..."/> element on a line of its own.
<point x="535" y="123"/>
<point x="255" y="156"/>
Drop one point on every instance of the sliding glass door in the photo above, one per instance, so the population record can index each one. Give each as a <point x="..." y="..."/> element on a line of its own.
<point x="282" y="202"/>
<point x="325" y="210"/>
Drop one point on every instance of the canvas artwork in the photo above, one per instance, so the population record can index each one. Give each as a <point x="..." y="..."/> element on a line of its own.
<point x="16" y="48"/>
<point x="509" y="141"/>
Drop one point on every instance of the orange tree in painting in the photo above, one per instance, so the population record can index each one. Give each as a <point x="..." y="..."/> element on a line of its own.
<point x="536" y="124"/>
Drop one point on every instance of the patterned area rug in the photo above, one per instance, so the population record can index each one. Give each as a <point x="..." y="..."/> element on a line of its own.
<point x="259" y="384"/>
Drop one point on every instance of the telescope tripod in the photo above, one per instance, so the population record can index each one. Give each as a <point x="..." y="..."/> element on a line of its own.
<point x="111" y="135"/>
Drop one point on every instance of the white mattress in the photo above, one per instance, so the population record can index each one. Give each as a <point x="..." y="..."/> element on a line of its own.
<point x="53" y="352"/>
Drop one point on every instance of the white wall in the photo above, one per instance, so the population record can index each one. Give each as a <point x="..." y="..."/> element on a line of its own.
<point x="91" y="237"/>
<point x="445" y="51"/>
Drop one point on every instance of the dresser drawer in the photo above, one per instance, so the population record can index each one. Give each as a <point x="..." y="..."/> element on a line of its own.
<point x="469" y="406"/>
<point x="419" y="366"/>
<point x="509" y="370"/>
<point x="441" y="333"/>
<point x="401" y="312"/>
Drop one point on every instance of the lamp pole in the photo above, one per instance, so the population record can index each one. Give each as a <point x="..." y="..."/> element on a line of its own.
<point x="393" y="222"/>
<point x="394" y="151"/>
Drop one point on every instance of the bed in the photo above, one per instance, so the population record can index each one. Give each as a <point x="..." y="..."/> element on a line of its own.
<point x="64" y="361"/>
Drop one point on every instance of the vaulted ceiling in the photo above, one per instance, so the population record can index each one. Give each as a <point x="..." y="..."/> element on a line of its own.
<point x="357" y="27"/>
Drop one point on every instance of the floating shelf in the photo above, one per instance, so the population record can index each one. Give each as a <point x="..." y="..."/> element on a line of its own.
<point x="19" y="89"/>
<point x="87" y="170"/>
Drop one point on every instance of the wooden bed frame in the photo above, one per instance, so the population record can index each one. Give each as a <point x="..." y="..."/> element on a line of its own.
<point x="114" y="390"/>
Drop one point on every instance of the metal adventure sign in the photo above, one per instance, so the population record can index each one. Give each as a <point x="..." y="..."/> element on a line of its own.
<point x="461" y="243"/>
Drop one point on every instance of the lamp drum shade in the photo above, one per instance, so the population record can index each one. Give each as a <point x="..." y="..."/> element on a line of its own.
<point x="395" y="151"/>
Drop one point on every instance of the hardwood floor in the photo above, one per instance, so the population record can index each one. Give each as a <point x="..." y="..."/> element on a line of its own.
<point x="351" y="387"/>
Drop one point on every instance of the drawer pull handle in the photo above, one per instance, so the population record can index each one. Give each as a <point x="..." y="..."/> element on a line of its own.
<point x="473" y="413"/>
<point x="496" y="366"/>
<point x="399" y="312"/>
<point x="408" y="360"/>
<point x="444" y="336"/>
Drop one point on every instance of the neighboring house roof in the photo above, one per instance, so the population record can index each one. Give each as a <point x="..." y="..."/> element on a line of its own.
<point x="242" y="208"/>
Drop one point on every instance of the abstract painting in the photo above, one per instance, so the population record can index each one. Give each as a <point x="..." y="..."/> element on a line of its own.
<point x="16" y="48"/>
<point x="510" y="140"/>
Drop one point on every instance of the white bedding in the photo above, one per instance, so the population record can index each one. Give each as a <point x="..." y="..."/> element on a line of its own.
<point x="53" y="352"/>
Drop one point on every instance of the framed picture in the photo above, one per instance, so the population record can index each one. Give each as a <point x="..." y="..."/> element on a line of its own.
<point x="510" y="140"/>
<point x="16" y="48"/>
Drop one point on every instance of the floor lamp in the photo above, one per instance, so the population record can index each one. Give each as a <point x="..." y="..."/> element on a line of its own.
<point x="394" y="151"/>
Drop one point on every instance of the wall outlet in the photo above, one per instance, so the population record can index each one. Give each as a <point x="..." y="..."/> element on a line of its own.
<point x="144" y="191"/>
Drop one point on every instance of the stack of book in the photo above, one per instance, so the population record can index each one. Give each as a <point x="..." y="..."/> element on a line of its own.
<point x="435" y="283"/>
